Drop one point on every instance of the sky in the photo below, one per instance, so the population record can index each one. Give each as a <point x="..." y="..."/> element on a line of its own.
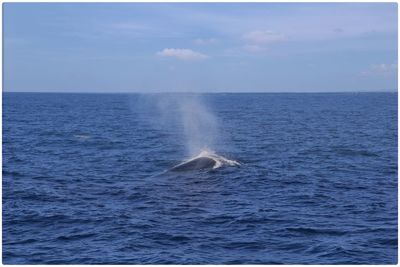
<point x="199" y="47"/>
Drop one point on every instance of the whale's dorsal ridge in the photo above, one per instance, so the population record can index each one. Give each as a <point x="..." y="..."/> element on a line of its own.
<point x="196" y="164"/>
<point x="205" y="160"/>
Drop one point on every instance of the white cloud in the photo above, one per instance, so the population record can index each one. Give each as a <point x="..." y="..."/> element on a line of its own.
<point x="257" y="41"/>
<point x="200" y="41"/>
<point x="384" y="67"/>
<point x="380" y="70"/>
<point x="182" y="54"/>
<point x="263" y="37"/>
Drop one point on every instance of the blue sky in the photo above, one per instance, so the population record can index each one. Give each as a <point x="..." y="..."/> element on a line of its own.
<point x="202" y="47"/>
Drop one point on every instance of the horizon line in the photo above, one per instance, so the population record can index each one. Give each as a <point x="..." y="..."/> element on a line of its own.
<point x="182" y="92"/>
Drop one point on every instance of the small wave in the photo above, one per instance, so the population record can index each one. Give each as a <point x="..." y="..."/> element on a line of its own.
<point x="46" y="220"/>
<point x="24" y="241"/>
<point x="313" y="231"/>
<point x="12" y="173"/>
<point x="75" y="237"/>
<point x="386" y="241"/>
<point x="82" y="136"/>
<point x="252" y="245"/>
<point x="354" y="152"/>
<point x="161" y="236"/>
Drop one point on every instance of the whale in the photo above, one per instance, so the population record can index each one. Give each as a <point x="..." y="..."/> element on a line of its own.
<point x="205" y="160"/>
<point x="199" y="163"/>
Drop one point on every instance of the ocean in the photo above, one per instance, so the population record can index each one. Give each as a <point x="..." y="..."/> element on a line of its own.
<point x="87" y="180"/>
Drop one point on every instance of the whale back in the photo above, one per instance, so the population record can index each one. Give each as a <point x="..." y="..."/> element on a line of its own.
<point x="196" y="164"/>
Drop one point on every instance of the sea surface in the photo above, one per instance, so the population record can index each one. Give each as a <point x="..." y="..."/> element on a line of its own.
<point x="86" y="180"/>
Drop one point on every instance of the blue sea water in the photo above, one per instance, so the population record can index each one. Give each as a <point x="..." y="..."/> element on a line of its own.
<point x="84" y="182"/>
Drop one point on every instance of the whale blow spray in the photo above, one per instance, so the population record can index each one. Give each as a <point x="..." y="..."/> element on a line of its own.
<point x="199" y="124"/>
<point x="190" y="114"/>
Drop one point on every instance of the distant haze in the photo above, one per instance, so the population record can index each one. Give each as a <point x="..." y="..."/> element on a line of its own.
<point x="200" y="47"/>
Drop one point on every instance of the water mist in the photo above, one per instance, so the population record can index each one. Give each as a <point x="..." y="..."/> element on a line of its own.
<point x="199" y="125"/>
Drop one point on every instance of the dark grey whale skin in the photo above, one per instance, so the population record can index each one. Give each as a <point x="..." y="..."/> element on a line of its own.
<point x="195" y="164"/>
